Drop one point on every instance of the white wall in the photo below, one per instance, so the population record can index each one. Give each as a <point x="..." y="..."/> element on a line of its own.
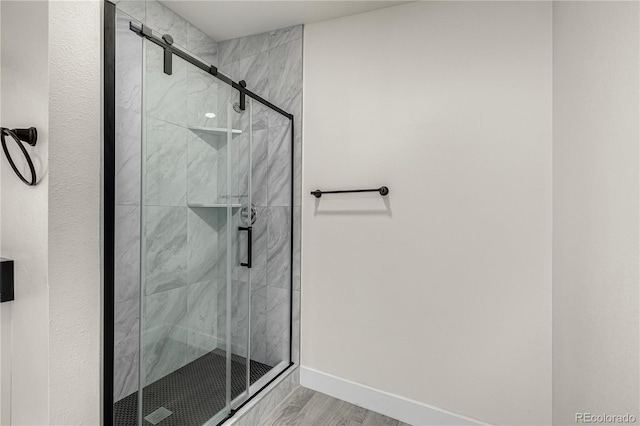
<point x="24" y="102"/>
<point x="75" y="64"/>
<point x="595" y="209"/>
<point x="442" y="292"/>
<point x="51" y="68"/>
<point x="5" y="310"/>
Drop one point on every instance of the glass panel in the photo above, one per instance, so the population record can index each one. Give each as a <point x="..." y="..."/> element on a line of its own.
<point x="127" y="222"/>
<point x="196" y="331"/>
<point x="243" y="216"/>
<point x="278" y="247"/>
<point x="187" y="234"/>
<point x="271" y="277"/>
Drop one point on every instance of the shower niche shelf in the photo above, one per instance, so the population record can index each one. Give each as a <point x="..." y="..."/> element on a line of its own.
<point x="213" y="205"/>
<point x="217" y="131"/>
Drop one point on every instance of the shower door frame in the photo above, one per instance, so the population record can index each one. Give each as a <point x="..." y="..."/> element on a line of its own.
<point x="109" y="201"/>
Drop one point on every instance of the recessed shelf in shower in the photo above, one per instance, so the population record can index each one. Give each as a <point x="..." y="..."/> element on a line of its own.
<point x="214" y="130"/>
<point x="214" y="205"/>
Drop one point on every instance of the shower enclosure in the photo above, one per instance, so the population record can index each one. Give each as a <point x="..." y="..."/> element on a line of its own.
<point x="200" y="237"/>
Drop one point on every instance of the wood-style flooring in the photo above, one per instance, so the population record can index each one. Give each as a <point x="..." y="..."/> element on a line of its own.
<point x="305" y="407"/>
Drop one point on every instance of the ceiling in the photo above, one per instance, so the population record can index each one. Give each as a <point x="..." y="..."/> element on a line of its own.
<point x="223" y="20"/>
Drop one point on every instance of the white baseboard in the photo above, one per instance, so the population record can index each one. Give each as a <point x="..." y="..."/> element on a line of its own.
<point x="398" y="407"/>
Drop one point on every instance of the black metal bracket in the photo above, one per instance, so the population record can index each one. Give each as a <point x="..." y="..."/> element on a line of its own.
<point x="146" y="32"/>
<point x="243" y="102"/>
<point x="168" y="55"/>
<point x="383" y="190"/>
<point x="6" y="280"/>
<point x="28" y="136"/>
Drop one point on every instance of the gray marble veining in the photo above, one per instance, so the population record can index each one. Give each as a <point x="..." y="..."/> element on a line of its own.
<point x="295" y="343"/>
<point x="279" y="166"/>
<point x="202" y="99"/>
<point x="260" y="115"/>
<point x="223" y="244"/>
<point x="238" y="48"/>
<point x="260" y="237"/>
<point x="239" y="318"/>
<point x="276" y="119"/>
<point x="203" y="227"/>
<point x="165" y="308"/>
<point x="226" y="97"/>
<point x="165" y="351"/>
<point x="242" y="145"/>
<point x="285" y="77"/>
<point x="271" y="179"/>
<point x="127" y="320"/>
<point x="165" y="332"/>
<point x="284" y="35"/>
<point x="164" y="21"/>
<point x="278" y="247"/>
<point x="259" y="167"/>
<point x="255" y="71"/>
<point x="166" y="166"/>
<point x="127" y="262"/>
<point x="222" y="166"/>
<point x="166" y="238"/>
<point x="297" y="165"/>
<point x="166" y="95"/>
<point x="186" y="295"/>
<point x="297" y="244"/>
<point x="201" y="45"/>
<point x="221" y="312"/>
<point x="277" y="325"/>
<point x="259" y="323"/>
<point x="202" y="169"/>
<point x="202" y="318"/>
<point x="126" y="344"/>
<point x="134" y="8"/>
<point x="128" y="134"/>
<point x="128" y="61"/>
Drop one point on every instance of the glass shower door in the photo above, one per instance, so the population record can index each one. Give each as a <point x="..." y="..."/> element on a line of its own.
<point x="271" y="277"/>
<point x="189" y="216"/>
<point x="203" y="234"/>
<point x="241" y="264"/>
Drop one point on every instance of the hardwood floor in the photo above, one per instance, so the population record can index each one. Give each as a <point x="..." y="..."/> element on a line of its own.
<point x="305" y="407"/>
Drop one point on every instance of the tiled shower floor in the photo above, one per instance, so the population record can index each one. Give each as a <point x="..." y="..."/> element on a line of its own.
<point x="194" y="393"/>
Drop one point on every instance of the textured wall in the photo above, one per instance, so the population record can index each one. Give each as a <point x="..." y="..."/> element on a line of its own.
<point x="74" y="212"/>
<point x="595" y="209"/>
<point x="24" y="98"/>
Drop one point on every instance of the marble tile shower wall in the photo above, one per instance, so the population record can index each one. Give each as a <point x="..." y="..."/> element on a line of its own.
<point x="127" y="221"/>
<point x="182" y="285"/>
<point x="271" y="64"/>
<point x="180" y="288"/>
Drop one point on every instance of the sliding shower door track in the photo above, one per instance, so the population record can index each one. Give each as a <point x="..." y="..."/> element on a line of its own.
<point x="233" y="411"/>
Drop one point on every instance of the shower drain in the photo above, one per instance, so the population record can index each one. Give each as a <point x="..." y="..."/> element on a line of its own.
<point x="159" y="415"/>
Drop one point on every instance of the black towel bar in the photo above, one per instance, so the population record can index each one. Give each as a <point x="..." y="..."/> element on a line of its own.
<point x="383" y="190"/>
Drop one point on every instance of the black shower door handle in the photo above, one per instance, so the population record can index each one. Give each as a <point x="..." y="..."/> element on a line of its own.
<point x="249" y="241"/>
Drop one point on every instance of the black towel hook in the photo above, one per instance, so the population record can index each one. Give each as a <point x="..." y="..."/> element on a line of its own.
<point x="29" y="136"/>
